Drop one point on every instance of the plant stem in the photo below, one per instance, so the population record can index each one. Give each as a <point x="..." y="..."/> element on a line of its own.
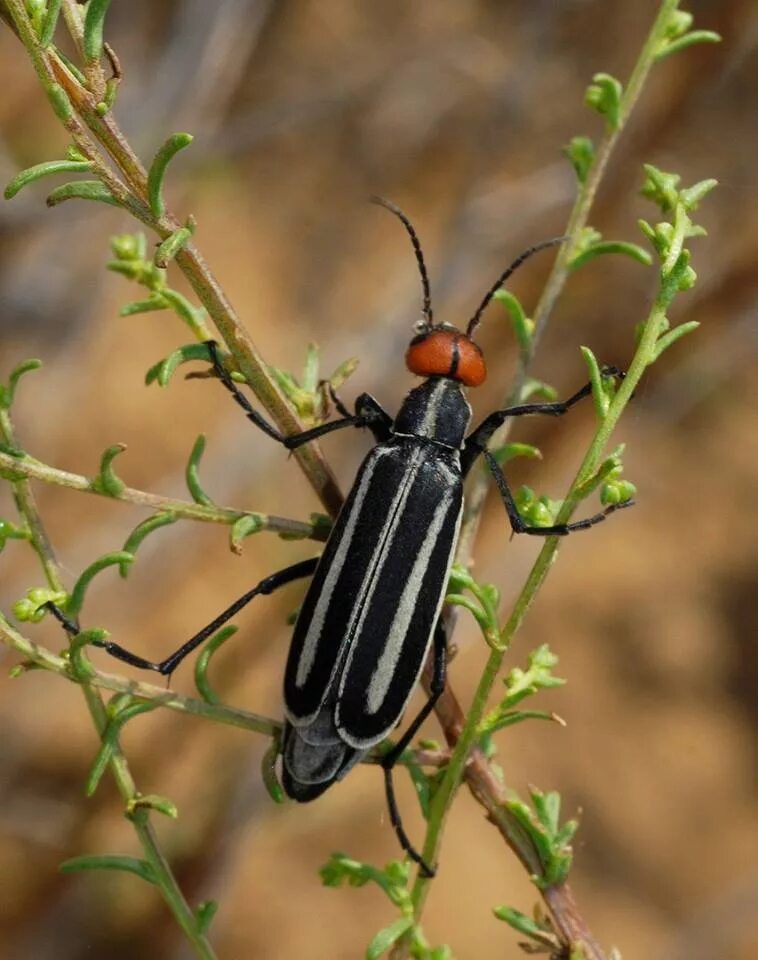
<point x="464" y="738"/>
<point x="480" y="482"/>
<point x="42" y="657"/>
<point x="131" y="192"/>
<point x="30" y="468"/>
<point x="165" y="879"/>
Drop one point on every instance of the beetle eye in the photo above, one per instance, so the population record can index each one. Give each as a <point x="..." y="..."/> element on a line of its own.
<point x="421" y="326"/>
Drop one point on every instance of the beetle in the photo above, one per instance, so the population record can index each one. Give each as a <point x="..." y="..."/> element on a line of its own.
<point x="372" y="611"/>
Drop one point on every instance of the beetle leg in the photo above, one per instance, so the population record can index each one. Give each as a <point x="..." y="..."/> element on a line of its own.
<point x="389" y="760"/>
<point x="269" y="429"/>
<point x="477" y="440"/>
<point x="519" y="525"/>
<point x="166" y="667"/>
<point x="374" y="416"/>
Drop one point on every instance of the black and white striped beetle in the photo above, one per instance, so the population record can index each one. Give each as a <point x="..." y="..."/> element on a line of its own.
<point x="372" y="610"/>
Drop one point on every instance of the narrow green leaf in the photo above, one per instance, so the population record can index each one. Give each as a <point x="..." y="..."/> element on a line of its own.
<point x="82" y="190"/>
<point x="8" y="393"/>
<point x="192" y="316"/>
<point x="268" y="772"/>
<point x="110" y="735"/>
<point x="157" y="172"/>
<point x="135" y="538"/>
<point x="93" y="28"/>
<point x="611" y="246"/>
<point x="167" y="250"/>
<point x="510" y="451"/>
<point x="191" y="473"/>
<point x="49" y="22"/>
<point x="386" y="937"/>
<point x="154" y="302"/>
<point x="106" y="482"/>
<point x="76" y="598"/>
<point x="604" y="95"/>
<point x="204" y="914"/>
<point x="152" y="801"/>
<point x="519" y="921"/>
<point x="581" y="153"/>
<point x="46" y="169"/>
<point x="203" y="662"/>
<point x="512" y="717"/>
<point x="164" y="369"/>
<point x="664" y="342"/>
<point x="523" y="327"/>
<point x="246" y="525"/>
<point x="128" y="864"/>
<point x="695" y="36"/>
<point x="599" y="396"/>
<point x="537" y="388"/>
<point x="60" y="102"/>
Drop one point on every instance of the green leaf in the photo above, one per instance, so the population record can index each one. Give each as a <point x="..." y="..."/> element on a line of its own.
<point x="47" y="169"/>
<point x="581" y="153"/>
<point x="386" y="937"/>
<point x="695" y="36"/>
<point x="599" y="395"/>
<point x="128" y="864"/>
<point x="157" y="172"/>
<point x="537" y="388"/>
<point x="76" y="597"/>
<point x="154" y="302"/>
<point x="152" y="801"/>
<point x="604" y="95"/>
<point x="135" y="538"/>
<point x="49" y="22"/>
<point x="664" y="342"/>
<point x="204" y="914"/>
<point x="245" y="526"/>
<point x="611" y="246"/>
<point x="191" y="473"/>
<point x="120" y="710"/>
<point x="268" y="772"/>
<point x="82" y="190"/>
<point x="529" y="928"/>
<point x="523" y="327"/>
<point x="510" y="451"/>
<point x="106" y="482"/>
<point x="93" y="28"/>
<point x="164" y="369"/>
<point x="203" y="662"/>
<point x="167" y="250"/>
<point x="8" y="393"/>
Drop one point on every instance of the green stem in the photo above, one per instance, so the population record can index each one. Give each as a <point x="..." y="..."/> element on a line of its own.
<point x="58" y="82"/>
<point x="559" y="273"/>
<point x="45" y="659"/>
<point x="29" y="468"/>
<point x="445" y="794"/>
<point x="164" y="878"/>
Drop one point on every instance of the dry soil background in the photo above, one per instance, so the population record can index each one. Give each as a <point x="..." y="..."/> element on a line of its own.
<point x="458" y="112"/>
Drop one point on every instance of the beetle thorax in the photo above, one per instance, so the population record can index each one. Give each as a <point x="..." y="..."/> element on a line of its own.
<point x="436" y="410"/>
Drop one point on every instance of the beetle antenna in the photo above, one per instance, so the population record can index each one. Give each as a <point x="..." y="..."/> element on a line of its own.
<point x="475" y="320"/>
<point x="388" y="205"/>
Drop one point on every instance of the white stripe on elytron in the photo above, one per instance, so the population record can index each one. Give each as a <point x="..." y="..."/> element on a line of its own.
<point x="383" y="550"/>
<point x="308" y="653"/>
<point x="429" y="422"/>
<point x="316" y="626"/>
<point x="385" y="667"/>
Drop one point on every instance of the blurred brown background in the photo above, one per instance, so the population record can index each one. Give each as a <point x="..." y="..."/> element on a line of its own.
<point x="458" y="112"/>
